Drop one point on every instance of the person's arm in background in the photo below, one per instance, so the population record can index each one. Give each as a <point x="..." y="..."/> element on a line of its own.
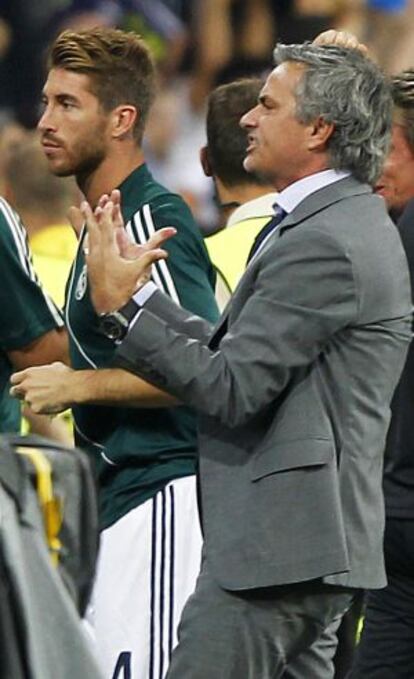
<point x="217" y="42"/>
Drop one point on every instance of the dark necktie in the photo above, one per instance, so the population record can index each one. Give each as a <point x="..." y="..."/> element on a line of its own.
<point x="268" y="228"/>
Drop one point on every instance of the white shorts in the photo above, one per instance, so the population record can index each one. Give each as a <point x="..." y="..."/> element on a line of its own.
<point x="147" y="567"/>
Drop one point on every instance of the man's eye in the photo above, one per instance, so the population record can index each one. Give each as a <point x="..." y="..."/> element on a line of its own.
<point x="67" y="104"/>
<point x="266" y="104"/>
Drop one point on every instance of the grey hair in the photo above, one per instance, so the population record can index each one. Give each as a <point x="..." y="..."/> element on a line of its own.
<point x="347" y="89"/>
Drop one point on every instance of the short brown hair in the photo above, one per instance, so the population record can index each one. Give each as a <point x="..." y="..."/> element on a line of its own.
<point x="226" y="140"/>
<point x="119" y="65"/>
<point x="402" y="89"/>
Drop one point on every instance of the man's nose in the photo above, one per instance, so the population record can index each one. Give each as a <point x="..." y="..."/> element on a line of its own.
<point x="248" y="119"/>
<point x="45" y="121"/>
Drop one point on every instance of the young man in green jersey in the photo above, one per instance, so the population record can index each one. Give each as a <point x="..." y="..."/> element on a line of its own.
<point x="96" y="99"/>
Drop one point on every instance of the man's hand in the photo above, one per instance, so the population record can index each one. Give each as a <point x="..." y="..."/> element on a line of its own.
<point x="46" y="389"/>
<point x="341" y="39"/>
<point x="116" y="268"/>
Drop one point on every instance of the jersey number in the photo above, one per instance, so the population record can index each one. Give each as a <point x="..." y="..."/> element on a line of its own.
<point x="123" y="666"/>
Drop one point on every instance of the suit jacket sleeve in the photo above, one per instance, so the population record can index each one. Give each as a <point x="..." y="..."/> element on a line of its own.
<point x="302" y="292"/>
<point x="179" y="318"/>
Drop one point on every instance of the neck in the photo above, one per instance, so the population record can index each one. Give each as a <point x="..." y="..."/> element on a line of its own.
<point x="115" y="167"/>
<point x="230" y="198"/>
<point x="316" y="164"/>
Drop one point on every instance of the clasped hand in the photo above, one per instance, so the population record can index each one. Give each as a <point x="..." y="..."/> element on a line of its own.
<point x="44" y="388"/>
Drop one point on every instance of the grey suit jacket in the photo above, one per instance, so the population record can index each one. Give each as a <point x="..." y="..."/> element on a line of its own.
<point x="293" y="388"/>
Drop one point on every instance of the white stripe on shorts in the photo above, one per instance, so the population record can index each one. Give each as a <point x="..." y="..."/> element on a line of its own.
<point x="162" y="579"/>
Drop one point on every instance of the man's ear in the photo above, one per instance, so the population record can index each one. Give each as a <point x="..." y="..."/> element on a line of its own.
<point x="205" y="162"/>
<point x="123" y="120"/>
<point x="320" y="132"/>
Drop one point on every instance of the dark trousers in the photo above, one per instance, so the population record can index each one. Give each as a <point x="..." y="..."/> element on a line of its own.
<point x="386" y="649"/>
<point x="276" y="632"/>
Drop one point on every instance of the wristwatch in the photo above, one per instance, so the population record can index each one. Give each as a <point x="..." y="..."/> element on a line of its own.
<point x="115" y="324"/>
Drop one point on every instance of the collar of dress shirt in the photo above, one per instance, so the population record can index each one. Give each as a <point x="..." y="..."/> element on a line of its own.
<point x="290" y="197"/>
<point x="258" y="207"/>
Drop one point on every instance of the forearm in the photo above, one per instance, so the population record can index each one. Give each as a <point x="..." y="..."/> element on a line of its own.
<point x="53" y="388"/>
<point x="113" y="386"/>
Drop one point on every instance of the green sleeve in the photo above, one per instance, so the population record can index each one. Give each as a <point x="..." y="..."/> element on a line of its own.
<point x="26" y="312"/>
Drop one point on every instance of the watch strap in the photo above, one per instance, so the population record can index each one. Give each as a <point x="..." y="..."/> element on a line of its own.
<point x="129" y="310"/>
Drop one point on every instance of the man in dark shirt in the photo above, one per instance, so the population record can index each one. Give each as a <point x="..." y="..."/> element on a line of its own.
<point x="386" y="650"/>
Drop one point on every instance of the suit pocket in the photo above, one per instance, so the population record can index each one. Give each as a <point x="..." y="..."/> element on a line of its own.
<point x="291" y="455"/>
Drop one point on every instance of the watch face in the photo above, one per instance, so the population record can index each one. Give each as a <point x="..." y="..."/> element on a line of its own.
<point x="112" y="328"/>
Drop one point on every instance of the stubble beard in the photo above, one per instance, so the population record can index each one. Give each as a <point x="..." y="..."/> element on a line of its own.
<point x="85" y="160"/>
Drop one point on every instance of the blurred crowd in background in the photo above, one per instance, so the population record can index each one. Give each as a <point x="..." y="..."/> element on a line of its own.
<point x="197" y="44"/>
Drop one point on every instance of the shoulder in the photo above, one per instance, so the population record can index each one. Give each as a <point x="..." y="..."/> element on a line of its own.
<point x="163" y="210"/>
<point x="144" y="197"/>
<point x="169" y="209"/>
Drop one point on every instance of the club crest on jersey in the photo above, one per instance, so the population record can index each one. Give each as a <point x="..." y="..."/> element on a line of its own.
<point x="81" y="285"/>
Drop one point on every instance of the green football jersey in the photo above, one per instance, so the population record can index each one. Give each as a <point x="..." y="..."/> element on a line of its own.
<point x="26" y="312"/>
<point x="138" y="451"/>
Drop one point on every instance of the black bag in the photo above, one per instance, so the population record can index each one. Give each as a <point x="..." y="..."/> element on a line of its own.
<point x="66" y="494"/>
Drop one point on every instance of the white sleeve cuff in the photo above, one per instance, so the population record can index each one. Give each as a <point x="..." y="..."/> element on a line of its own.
<point x="143" y="295"/>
